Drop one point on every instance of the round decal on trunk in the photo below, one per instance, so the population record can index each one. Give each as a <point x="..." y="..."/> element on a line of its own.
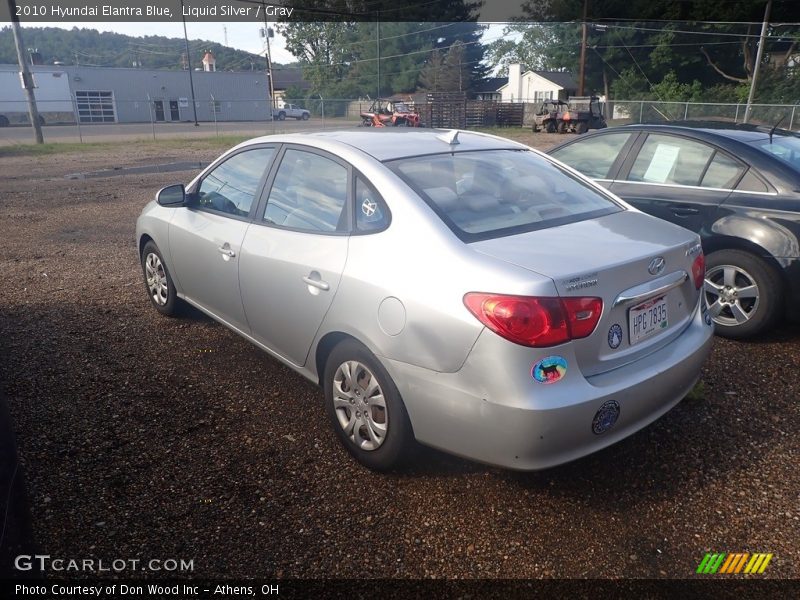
<point x="550" y="369"/>
<point x="615" y="336"/>
<point x="605" y="418"/>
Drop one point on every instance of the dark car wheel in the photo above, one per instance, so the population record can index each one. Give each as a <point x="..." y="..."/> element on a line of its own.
<point x="581" y="127"/>
<point x="743" y="293"/>
<point x="305" y="116"/>
<point x="3" y="121"/>
<point x="365" y="408"/>
<point x="281" y="116"/>
<point x="158" y="281"/>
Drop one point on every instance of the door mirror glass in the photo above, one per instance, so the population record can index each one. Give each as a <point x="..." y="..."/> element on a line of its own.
<point x="172" y="195"/>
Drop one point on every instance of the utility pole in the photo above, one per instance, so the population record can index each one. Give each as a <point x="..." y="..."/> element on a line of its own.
<point x="378" y="41"/>
<point x="268" y="56"/>
<point x="25" y="75"/>
<point x="761" y="42"/>
<point x="582" y="75"/>
<point x="189" y="65"/>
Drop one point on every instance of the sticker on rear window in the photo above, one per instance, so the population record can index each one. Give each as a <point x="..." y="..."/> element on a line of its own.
<point x="550" y="369"/>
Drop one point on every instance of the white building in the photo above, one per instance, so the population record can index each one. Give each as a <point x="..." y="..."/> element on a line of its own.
<point x="536" y="86"/>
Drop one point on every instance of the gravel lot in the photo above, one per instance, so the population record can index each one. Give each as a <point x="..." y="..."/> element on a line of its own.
<point x="143" y="436"/>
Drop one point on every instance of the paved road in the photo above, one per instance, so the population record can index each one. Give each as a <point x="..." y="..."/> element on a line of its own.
<point x="136" y="131"/>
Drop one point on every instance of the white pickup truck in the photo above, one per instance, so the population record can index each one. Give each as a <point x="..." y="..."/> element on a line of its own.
<point x="290" y="110"/>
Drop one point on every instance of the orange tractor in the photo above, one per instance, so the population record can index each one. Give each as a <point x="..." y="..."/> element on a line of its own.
<point x="389" y="113"/>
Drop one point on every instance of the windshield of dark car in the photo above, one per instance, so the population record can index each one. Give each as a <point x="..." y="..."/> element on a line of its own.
<point x="785" y="148"/>
<point x="487" y="194"/>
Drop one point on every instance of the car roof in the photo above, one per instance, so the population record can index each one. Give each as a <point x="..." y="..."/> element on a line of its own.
<point x="742" y="132"/>
<point x="392" y="143"/>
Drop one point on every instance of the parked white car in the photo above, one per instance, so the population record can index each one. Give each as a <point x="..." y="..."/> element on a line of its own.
<point x="290" y="110"/>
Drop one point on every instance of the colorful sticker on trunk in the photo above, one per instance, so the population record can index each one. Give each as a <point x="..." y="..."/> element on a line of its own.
<point x="549" y="370"/>
<point x="615" y="336"/>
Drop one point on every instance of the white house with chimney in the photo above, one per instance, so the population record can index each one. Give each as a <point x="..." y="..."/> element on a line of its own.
<point x="209" y="62"/>
<point x="537" y="86"/>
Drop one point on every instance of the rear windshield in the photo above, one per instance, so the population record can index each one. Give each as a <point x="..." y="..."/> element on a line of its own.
<point x="785" y="148"/>
<point x="494" y="193"/>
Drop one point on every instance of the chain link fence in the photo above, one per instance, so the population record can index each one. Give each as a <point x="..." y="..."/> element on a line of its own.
<point x="103" y="118"/>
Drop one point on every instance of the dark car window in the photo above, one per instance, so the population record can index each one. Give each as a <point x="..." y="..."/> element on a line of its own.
<point x="670" y="159"/>
<point x="492" y="193"/>
<point x="309" y="193"/>
<point x="371" y="212"/>
<point x="723" y="172"/>
<point x="752" y="183"/>
<point x="593" y="156"/>
<point x="231" y="186"/>
<point x="784" y="148"/>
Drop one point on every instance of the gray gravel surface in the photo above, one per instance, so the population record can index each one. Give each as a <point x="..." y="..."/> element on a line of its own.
<point x="149" y="437"/>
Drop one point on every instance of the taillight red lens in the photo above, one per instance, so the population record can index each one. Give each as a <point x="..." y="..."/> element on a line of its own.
<point x="582" y="315"/>
<point x="535" y="321"/>
<point x="699" y="270"/>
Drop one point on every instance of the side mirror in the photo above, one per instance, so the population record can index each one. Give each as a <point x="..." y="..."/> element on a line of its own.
<point x="172" y="195"/>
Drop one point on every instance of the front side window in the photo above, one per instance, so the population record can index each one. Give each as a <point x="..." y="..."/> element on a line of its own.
<point x="671" y="160"/>
<point x="309" y="193"/>
<point x="231" y="186"/>
<point x="492" y="193"/>
<point x="594" y="155"/>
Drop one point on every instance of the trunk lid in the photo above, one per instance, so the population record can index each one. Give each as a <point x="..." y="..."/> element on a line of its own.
<point x="609" y="258"/>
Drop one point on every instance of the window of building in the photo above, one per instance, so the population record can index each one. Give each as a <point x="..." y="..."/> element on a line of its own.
<point x="95" y="107"/>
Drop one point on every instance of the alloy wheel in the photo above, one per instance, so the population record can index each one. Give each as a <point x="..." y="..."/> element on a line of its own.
<point x="156" y="278"/>
<point x="360" y="405"/>
<point x="732" y="295"/>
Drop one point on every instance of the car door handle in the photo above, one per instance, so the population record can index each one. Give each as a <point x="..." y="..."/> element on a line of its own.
<point x="684" y="211"/>
<point x="226" y="251"/>
<point x="317" y="283"/>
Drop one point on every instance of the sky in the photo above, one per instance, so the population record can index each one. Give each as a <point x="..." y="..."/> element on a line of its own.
<point x="244" y="36"/>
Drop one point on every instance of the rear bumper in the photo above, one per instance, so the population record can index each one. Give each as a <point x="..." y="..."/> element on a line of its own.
<point x="493" y="411"/>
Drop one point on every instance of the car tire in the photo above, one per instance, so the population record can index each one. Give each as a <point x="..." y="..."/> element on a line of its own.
<point x="359" y="430"/>
<point x="305" y="116"/>
<point x="729" y="275"/>
<point x="581" y="127"/>
<point x="158" y="281"/>
<point x="551" y="127"/>
<point x="281" y="116"/>
<point x="4" y="121"/>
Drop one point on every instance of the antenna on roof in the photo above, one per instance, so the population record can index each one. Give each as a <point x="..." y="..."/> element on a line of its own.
<point x="451" y="137"/>
<point x="771" y="131"/>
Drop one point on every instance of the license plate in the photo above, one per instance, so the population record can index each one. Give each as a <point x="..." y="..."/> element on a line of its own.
<point x="647" y="319"/>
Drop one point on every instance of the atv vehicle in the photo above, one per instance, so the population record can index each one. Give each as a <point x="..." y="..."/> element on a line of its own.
<point x="549" y="115"/>
<point x="584" y="114"/>
<point x="388" y="113"/>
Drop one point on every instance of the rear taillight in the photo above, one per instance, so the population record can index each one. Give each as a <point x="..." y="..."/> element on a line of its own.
<point x="536" y="321"/>
<point x="699" y="270"/>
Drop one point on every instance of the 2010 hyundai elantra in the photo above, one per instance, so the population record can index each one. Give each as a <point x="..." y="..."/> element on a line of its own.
<point x="453" y="288"/>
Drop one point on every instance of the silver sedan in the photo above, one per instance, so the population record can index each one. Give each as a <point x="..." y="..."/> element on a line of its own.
<point x="452" y="288"/>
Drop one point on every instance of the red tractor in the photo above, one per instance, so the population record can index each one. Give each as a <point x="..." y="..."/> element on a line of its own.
<point x="389" y="113"/>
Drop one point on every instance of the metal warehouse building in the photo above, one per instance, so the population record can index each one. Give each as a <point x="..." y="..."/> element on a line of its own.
<point x="114" y="95"/>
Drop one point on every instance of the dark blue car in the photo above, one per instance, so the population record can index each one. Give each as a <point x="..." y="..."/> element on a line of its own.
<point x="738" y="186"/>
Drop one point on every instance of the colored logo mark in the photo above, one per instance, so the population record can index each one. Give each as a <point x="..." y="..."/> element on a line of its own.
<point x="743" y="562"/>
<point x="615" y="336"/>
<point x="550" y="369"/>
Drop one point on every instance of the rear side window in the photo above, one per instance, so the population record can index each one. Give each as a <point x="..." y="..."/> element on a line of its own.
<point x="371" y="212"/>
<point x="670" y="159"/>
<point x="593" y="156"/>
<point x="487" y="194"/>
<point x="309" y="193"/>
<point x="752" y="183"/>
<point x="723" y="172"/>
